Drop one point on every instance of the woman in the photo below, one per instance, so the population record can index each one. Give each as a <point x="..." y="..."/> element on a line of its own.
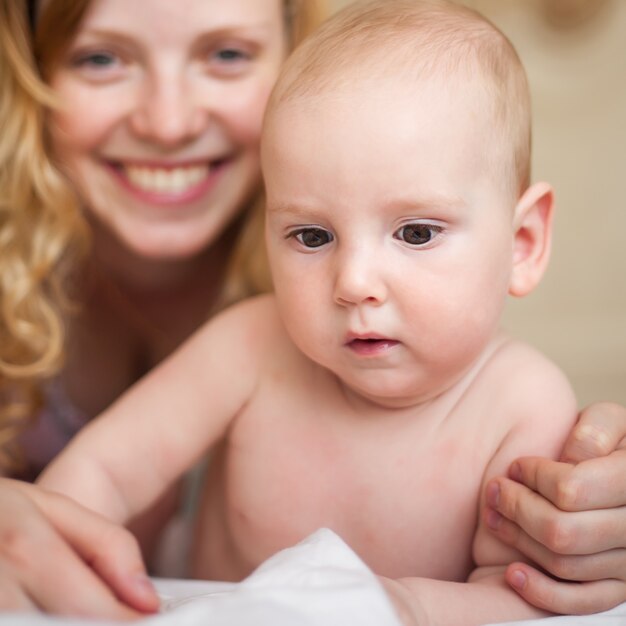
<point x="142" y="137"/>
<point x="154" y="113"/>
<point x="156" y="131"/>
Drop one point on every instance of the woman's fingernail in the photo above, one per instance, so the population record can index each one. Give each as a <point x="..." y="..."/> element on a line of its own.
<point x="598" y="438"/>
<point x="515" y="472"/>
<point x="144" y="585"/>
<point x="518" y="579"/>
<point x="493" y="494"/>
<point x="493" y="519"/>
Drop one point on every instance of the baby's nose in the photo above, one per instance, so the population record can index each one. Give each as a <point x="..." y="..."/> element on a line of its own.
<point x="359" y="280"/>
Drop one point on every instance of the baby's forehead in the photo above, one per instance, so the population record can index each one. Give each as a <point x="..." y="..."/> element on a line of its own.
<point x="387" y="94"/>
<point x="367" y="121"/>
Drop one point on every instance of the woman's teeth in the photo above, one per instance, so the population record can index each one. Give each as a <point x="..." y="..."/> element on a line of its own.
<point x="171" y="180"/>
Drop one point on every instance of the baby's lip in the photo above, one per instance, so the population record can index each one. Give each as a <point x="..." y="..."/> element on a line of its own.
<point x="370" y="336"/>
<point x="369" y="341"/>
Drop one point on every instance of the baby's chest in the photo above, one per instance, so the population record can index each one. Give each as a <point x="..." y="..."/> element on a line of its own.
<point x="404" y="498"/>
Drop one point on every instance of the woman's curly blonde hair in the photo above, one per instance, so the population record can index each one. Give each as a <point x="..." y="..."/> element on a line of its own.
<point x="40" y="229"/>
<point x="42" y="232"/>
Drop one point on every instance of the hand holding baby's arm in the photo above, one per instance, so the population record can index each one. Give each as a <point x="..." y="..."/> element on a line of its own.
<point x="44" y="535"/>
<point x="569" y="517"/>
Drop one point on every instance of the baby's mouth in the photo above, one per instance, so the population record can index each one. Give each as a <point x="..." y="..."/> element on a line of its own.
<point x="371" y="342"/>
<point x="371" y="345"/>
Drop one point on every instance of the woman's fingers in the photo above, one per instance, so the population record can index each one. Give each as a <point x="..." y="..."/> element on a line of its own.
<point x="61" y="583"/>
<point x="573" y="567"/>
<point x="569" y="517"/>
<point x="109" y="549"/>
<point x="562" y="597"/>
<point x="561" y="532"/>
<point x="598" y="483"/>
<point x="601" y="428"/>
<point x="562" y="545"/>
<point x="64" y="559"/>
<point x="13" y="597"/>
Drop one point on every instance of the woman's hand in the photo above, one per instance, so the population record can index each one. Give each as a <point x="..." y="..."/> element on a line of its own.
<point x="569" y="517"/>
<point x="58" y="557"/>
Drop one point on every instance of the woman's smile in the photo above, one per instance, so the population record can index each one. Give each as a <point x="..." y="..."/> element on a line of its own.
<point x="168" y="184"/>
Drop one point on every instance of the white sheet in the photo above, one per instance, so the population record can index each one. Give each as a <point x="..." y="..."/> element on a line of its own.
<point x="614" y="617"/>
<point x="319" y="582"/>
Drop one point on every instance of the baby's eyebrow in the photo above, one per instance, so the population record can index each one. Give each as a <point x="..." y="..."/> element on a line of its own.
<point x="294" y="210"/>
<point x="409" y="204"/>
<point x="426" y="203"/>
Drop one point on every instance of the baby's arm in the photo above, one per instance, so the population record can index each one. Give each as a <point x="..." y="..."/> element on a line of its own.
<point x="126" y="458"/>
<point x="541" y="410"/>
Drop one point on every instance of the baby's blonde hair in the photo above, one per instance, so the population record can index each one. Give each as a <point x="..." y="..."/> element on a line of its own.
<point x="419" y="38"/>
<point x="42" y="231"/>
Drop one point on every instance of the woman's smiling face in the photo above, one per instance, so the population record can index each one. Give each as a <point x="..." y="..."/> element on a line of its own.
<point x="161" y="117"/>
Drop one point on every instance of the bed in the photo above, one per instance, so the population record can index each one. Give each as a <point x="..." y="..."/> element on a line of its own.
<point x="318" y="582"/>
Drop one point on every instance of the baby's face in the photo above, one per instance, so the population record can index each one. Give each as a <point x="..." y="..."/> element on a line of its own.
<point x="389" y="234"/>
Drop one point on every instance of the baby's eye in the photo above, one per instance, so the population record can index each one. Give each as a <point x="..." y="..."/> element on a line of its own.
<point x="312" y="237"/>
<point x="417" y="234"/>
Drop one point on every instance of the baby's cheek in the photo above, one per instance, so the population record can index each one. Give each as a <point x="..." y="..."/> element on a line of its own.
<point x="453" y="331"/>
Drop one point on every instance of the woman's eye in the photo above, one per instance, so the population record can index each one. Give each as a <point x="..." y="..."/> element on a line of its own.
<point x="230" y="54"/>
<point x="96" y="60"/>
<point x="98" y="66"/>
<point x="101" y="60"/>
<point x="230" y="61"/>
<point x="417" y="234"/>
<point x="313" y="237"/>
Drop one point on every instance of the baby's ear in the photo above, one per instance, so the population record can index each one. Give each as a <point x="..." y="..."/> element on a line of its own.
<point x="533" y="237"/>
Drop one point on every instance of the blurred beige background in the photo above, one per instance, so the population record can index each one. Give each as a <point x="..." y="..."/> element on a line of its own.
<point x="575" y="54"/>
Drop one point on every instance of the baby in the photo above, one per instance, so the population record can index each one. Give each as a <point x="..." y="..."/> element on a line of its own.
<point x="373" y="392"/>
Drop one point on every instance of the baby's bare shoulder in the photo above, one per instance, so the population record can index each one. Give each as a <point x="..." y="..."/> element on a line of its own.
<point x="532" y="397"/>
<point x="261" y="308"/>
<point x="253" y="325"/>
<point x="522" y="376"/>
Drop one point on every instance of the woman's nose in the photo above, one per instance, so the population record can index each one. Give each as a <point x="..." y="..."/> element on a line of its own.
<point x="359" y="280"/>
<point x="167" y="114"/>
